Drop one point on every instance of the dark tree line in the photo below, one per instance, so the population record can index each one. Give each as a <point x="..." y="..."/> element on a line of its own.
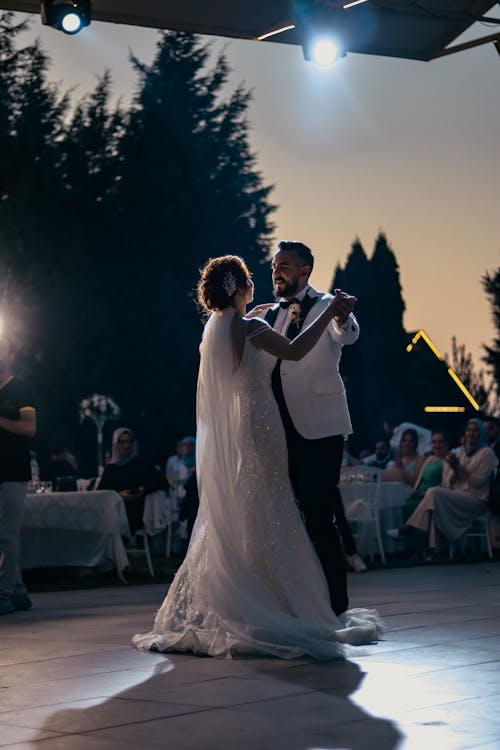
<point x="106" y="213"/>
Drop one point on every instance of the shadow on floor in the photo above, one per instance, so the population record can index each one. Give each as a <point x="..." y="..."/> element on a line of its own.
<point x="269" y="703"/>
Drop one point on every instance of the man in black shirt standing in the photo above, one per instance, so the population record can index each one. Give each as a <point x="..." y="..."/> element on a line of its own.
<point x="17" y="427"/>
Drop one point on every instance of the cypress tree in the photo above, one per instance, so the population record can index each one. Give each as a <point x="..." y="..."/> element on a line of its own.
<point x="374" y="369"/>
<point x="491" y="285"/>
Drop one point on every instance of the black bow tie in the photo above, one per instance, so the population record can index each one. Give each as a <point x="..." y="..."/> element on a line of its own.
<point x="285" y="304"/>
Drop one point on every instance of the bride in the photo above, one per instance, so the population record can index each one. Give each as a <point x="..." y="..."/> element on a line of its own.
<point x="251" y="582"/>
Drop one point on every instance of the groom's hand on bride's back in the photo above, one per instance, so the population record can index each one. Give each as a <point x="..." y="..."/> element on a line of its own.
<point x="258" y="310"/>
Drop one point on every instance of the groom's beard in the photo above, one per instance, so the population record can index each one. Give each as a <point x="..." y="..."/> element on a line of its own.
<point x="287" y="291"/>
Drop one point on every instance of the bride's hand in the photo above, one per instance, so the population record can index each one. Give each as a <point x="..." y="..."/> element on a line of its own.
<point x="256" y="311"/>
<point x="342" y="305"/>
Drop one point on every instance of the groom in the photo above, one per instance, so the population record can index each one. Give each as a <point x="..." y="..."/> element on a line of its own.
<point x="313" y="406"/>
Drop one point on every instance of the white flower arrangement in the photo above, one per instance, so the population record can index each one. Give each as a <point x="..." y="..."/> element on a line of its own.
<point x="99" y="408"/>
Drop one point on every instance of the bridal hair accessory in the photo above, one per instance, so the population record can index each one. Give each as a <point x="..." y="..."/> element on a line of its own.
<point x="294" y="312"/>
<point x="229" y="283"/>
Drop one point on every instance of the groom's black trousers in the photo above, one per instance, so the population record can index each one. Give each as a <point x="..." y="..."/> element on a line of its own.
<point x="314" y="469"/>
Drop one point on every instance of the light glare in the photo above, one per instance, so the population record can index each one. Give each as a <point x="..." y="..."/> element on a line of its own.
<point x="71" y="23"/>
<point x="325" y="52"/>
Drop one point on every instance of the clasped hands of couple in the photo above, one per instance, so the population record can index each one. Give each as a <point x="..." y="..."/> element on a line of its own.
<point x="342" y="305"/>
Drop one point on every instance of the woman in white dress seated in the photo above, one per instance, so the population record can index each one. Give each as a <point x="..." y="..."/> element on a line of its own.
<point x="251" y="581"/>
<point x="463" y="496"/>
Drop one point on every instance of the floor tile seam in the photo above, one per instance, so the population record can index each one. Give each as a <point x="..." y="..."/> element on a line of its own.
<point x="442" y="609"/>
<point x="38" y="637"/>
<point x="73" y="677"/>
<point x="35" y="741"/>
<point x="473" y="641"/>
<point x="36" y="706"/>
<point x="55" y="658"/>
<point x="461" y="666"/>
<point x="444" y="704"/>
<point x="147" y="672"/>
<point x="199" y="710"/>
<point x="428" y="668"/>
<point x="305" y="692"/>
<point x="426" y="627"/>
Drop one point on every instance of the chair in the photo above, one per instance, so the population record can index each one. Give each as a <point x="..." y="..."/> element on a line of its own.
<point x="364" y="511"/>
<point x="157" y="517"/>
<point x="143" y="534"/>
<point x="479" y="529"/>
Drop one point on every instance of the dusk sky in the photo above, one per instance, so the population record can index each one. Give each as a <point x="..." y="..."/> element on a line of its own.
<point x="409" y="148"/>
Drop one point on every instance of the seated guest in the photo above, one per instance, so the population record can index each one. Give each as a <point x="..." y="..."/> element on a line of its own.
<point x="431" y="473"/>
<point x="188" y="453"/>
<point x="394" y="432"/>
<point x="492" y="427"/>
<point x="450" y="509"/>
<point x="131" y="476"/>
<point x="380" y="457"/>
<point x="407" y="462"/>
<point x="174" y="469"/>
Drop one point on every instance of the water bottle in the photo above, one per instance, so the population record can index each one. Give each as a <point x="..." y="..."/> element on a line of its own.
<point x="35" y="470"/>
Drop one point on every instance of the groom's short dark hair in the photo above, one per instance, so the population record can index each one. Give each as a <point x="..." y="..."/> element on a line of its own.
<point x="300" y="249"/>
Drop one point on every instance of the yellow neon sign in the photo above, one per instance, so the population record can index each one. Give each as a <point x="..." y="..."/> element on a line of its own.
<point x="436" y="409"/>
<point x="421" y="334"/>
<point x="464" y="390"/>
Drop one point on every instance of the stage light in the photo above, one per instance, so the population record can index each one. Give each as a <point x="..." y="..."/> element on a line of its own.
<point x="324" y="50"/>
<point x="69" y="16"/>
<point x="71" y="23"/>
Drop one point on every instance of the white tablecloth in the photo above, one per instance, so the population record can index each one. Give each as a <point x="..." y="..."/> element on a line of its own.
<point x="82" y="529"/>
<point x="392" y="497"/>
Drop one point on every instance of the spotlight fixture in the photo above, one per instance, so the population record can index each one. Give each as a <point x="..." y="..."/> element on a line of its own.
<point x="69" y="16"/>
<point x="323" y="49"/>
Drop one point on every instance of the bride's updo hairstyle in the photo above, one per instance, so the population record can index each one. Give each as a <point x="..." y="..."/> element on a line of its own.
<point x="220" y="279"/>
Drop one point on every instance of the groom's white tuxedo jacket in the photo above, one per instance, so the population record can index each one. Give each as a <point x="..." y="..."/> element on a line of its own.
<point x="312" y="387"/>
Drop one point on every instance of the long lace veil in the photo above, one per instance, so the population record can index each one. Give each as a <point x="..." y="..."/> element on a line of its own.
<point x="218" y="453"/>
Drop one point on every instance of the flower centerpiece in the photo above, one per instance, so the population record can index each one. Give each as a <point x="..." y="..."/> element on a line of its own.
<point x="99" y="409"/>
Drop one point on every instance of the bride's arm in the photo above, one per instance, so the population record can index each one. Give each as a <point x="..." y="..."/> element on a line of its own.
<point x="264" y="337"/>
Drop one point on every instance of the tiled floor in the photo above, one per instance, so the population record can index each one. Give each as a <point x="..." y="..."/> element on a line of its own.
<point x="69" y="679"/>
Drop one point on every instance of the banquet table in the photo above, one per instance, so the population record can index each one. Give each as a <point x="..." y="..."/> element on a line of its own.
<point x="391" y="499"/>
<point x="82" y="529"/>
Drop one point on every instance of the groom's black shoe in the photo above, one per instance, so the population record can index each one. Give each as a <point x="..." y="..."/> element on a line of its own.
<point x="21" y="601"/>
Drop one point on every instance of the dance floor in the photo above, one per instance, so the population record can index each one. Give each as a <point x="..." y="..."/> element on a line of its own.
<point x="69" y="679"/>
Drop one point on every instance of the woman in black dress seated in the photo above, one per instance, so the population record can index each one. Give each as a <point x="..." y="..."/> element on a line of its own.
<point x="131" y="476"/>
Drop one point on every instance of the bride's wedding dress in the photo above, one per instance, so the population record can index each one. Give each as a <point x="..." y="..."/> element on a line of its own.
<point x="251" y="582"/>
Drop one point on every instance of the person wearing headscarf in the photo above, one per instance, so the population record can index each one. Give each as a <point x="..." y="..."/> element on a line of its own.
<point x="463" y="495"/>
<point x="130" y="475"/>
<point x="188" y="453"/>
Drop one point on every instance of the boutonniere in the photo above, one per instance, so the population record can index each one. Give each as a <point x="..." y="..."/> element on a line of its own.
<point x="294" y="312"/>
